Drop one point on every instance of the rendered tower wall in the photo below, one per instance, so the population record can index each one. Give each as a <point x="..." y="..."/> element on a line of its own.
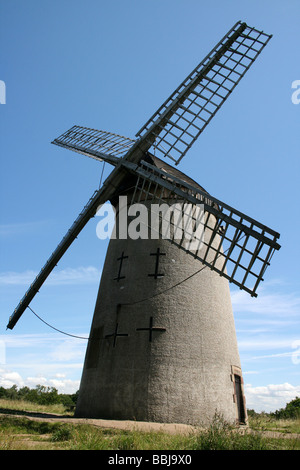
<point x="182" y="372"/>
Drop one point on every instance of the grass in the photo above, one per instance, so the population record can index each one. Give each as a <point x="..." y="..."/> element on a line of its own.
<point x="267" y="423"/>
<point x="24" y="406"/>
<point x="20" y="433"/>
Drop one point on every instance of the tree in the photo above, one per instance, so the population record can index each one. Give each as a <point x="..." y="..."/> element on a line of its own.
<point x="291" y="410"/>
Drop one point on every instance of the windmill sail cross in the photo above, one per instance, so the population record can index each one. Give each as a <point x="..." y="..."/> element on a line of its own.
<point x="171" y="131"/>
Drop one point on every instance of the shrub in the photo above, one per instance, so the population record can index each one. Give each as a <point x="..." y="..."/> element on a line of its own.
<point x="40" y="394"/>
<point x="223" y="436"/>
<point x="63" y="433"/>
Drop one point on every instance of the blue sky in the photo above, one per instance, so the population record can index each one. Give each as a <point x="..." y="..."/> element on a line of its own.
<point x="110" y="65"/>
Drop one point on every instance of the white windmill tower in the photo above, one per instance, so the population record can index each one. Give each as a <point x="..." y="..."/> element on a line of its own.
<point x="163" y="345"/>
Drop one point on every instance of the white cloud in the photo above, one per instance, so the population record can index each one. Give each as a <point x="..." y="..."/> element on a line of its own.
<point x="75" y="276"/>
<point x="9" y="378"/>
<point x="270" y="397"/>
<point x="60" y="376"/>
<point x="62" y="384"/>
<point x="68" y="350"/>
<point x="22" y="228"/>
<point x="65" y="386"/>
<point x="45" y="359"/>
<point x="264" y="343"/>
<point x="13" y="278"/>
<point x="266" y="303"/>
<point x="79" y="275"/>
<point x="27" y="340"/>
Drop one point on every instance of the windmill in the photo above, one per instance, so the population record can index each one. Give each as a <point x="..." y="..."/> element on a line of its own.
<point x="162" y="345"/>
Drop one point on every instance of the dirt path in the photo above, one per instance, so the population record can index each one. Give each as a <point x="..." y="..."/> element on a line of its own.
<point x="169" y="428"/>
<point x="106" y="424"/>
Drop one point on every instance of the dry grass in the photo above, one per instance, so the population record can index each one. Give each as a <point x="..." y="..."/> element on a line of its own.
<point x="267" y="423"/>
<point x="25" y="406"/>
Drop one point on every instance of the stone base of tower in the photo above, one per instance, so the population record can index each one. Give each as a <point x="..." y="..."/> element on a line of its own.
<point x="171" y="358"/>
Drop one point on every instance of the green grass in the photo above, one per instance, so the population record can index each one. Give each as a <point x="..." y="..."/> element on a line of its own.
<point x="22" y="433"/>
<point x="19" y="432"/>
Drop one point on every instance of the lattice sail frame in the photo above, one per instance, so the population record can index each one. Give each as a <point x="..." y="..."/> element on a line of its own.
<point x="101" y="145"/>
<point x="184" y="115"/>
<point x="235" y="245"/>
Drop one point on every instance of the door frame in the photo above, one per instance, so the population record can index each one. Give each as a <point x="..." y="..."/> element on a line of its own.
<point x="237" y="371"/>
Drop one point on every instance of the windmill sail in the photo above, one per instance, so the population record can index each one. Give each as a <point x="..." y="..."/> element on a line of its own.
<point x="82" y="219"/>
<point x="180" y="120"/>
<point x="97" y="199"/>
<point x="96" y="144"/>
<point x="236" y="246"/>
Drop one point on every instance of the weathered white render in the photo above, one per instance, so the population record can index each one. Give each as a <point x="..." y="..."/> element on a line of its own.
<point x="186" y="370"/>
